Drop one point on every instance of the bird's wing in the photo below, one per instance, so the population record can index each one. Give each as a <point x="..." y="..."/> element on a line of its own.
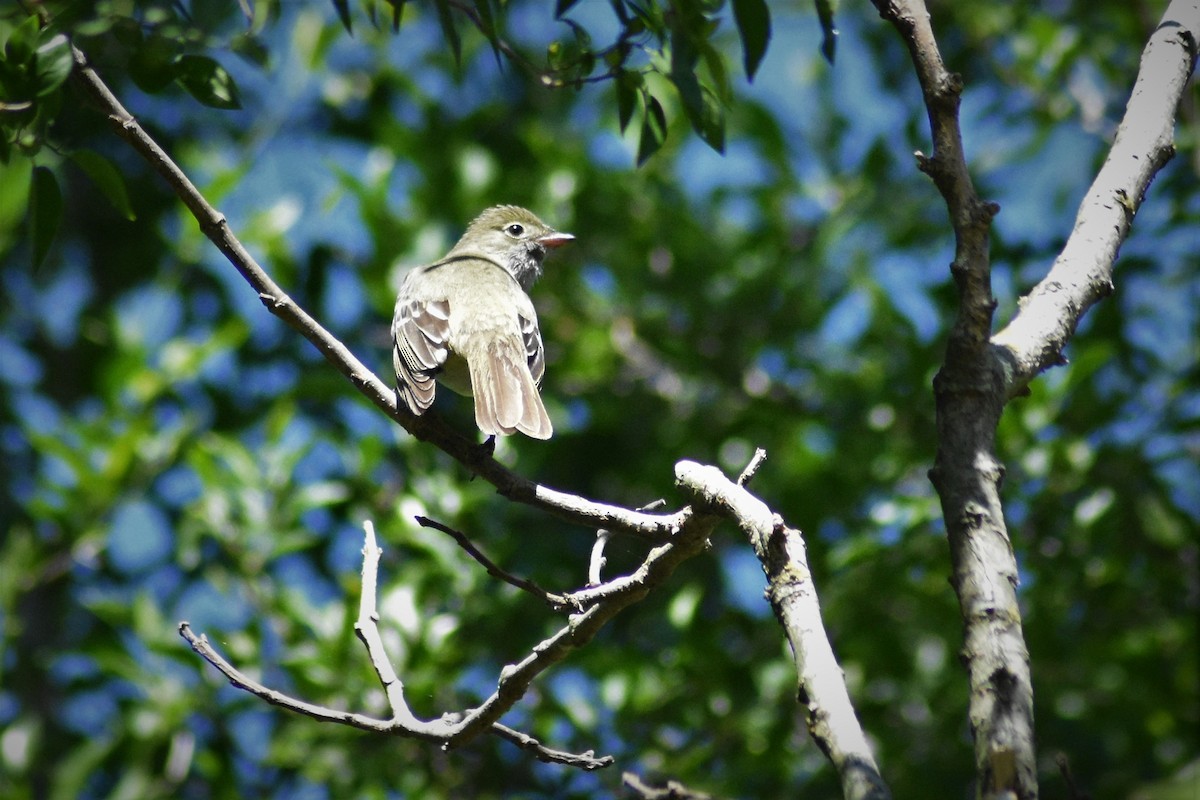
<point x="420" y="333"/>
<point x="535" y="354"/>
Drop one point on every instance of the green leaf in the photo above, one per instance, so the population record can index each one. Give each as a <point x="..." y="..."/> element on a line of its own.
<point x="397" y="13"/>
<point x="581" y="58"/>
<point x="16" y="178"/>
<point x="700" y="103"/>
<point x="715" y="62"/>
<point x="152" y="65"/>
<point x="753" y="20"/>
<point x="683" y="73"/>
<point x="207" y="81"/>
<point x="712" y="120"/>
<point x="649" y="17"/>
<point x="20" y="47"/>
<point x="54" y="64"/>
<point x="127" y="32"/>
<point x="343" y="12"/>
<point x="251" y="48"/>
<point x="829" y="31"/>
<point x="654" y="129"/>
<point x="107" y="178"/>
<point x="45" y="212"/>
<point x="446" y="20"/>
<point x="627" y="84"/>
<point x="487" y="25"/>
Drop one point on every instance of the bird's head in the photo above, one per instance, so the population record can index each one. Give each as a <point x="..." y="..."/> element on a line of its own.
<point x="514" y="238"/>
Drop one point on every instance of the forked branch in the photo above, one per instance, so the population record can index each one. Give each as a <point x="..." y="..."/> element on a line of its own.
<point x="982" y="372"/>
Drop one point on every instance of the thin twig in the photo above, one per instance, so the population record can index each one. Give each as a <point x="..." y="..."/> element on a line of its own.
<point x="756" y="461"/>
<point x="239" y="679"/>
<point x="674" y="790"/>
<point x="660" y="564"/>
<point x="367" y="630"/>
<point x="1074" y="792"/>
<point x="597" y="560"/>
<point x="555" y="601"/>
<point x="586" y="761"/>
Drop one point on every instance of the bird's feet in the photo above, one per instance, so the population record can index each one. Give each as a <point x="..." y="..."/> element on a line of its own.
<point x="488" y="448"/>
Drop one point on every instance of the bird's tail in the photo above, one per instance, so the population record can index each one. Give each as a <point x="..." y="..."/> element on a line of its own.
<point x="506" y="397"/>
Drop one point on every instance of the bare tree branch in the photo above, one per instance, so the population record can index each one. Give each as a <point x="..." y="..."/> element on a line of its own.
<point x="830" y="715"/>
<point x="982" y="372"/>
<point x="1082" y="274"/>
<point x="597" y="559"/>
<point x="456" y="729"/>
<point x="430" y="428"/>
<point x="674" y="790"/>
<point x="604" y="602"/>
<point x="366" y="627"/>
<point x="966" y="473"/>
<point x="586" y="761"/>
<point x="450" y="730"/>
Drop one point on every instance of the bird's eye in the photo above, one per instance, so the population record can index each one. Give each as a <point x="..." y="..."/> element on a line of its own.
<point x="515" y="229"/>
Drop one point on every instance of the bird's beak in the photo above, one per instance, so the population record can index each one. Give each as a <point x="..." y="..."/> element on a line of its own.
<point x="555" y="239"/>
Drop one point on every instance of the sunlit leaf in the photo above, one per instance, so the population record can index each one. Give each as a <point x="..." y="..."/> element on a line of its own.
<point x="207" y="81"/>
<point x="54" y="64"/>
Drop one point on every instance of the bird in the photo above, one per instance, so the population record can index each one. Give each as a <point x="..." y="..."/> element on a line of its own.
<point x="467" y="322"/>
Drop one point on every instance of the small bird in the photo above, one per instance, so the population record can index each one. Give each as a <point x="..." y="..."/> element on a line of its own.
<point x="467" y="322"/>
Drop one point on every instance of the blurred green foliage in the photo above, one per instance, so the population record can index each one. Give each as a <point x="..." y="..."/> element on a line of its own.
<point x="170" y="451"/>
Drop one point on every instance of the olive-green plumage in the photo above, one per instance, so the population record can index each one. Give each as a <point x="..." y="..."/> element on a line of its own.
<point x="467" y="322"/>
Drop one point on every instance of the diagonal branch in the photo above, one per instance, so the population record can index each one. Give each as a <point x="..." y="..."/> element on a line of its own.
<point x="832" y="722"/>
<point x="580" y="510"/>
<point x="612" y="598"/>
<point x="678" y="536"/>
<point x="1082" y="274"/>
